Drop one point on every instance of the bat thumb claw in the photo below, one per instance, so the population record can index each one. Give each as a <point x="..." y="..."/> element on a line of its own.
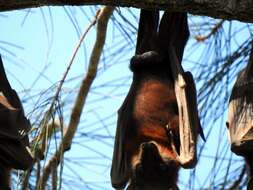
<point x="173" y="143"/>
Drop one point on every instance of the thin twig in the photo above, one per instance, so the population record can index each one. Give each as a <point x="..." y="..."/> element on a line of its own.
<point x="44" y="130"/>
<point x="54" y="177"/>
<point x="43" y="134"/>
<point x="200" y="38"/>
<point x="102" y="21"/>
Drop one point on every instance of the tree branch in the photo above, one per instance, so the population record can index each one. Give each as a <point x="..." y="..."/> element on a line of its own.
<point x="200" y="38"/>
<point x="225" y="9"/>
<point x="102" y="21"/>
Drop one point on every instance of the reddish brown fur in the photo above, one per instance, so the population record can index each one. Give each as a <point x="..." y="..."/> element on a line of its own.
<point x="143" y="156"/>
<point x="154" y="107"/>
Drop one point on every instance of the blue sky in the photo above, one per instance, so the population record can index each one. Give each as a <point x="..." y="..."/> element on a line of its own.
<point x="46" y="37"/>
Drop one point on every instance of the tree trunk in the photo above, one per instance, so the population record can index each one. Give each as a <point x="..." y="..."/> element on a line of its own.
<point x="225" y="9"/>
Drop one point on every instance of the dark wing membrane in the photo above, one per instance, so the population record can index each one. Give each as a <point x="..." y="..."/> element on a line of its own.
<point x="14" y="126"/>
<point x="174" y="31"/>
<point x="15" y="154"/>
<point x="4" y="83"/>
<point x="13" y="123"/>
<point x="147" y="31"/>
<point x="120" y="168"/>
<point x="192" y="99"/>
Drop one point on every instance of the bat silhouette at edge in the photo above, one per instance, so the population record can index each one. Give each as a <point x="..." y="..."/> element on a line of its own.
<point x="14" y="126"/>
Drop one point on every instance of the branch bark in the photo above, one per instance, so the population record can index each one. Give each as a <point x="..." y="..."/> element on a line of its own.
<point x="225" y="9"/>
<point x="102" y="21"/>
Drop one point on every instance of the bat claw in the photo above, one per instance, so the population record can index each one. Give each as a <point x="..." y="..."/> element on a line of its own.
<point x="172" y="141"/>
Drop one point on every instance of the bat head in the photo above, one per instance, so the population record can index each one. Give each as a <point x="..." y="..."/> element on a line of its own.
<point x="150" y="168"/>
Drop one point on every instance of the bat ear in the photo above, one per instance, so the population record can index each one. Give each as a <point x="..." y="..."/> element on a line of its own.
<point x="174" y="31"/>
<point x="147" y="31"/>
<point x="120" y="168"/>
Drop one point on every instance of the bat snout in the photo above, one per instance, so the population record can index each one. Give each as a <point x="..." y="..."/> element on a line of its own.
<point x="152" y="169"/>
<point x="149" y="153"/>
<point x="241" y="147"/>
<point x="151" y="164"/>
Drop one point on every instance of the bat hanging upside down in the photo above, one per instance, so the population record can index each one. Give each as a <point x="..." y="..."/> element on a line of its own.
<point x="240" y="117"/>
<point x="148" y="136"/>
<point x="14" y="128"/>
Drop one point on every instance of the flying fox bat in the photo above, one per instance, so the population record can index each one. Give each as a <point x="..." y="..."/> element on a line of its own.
<point x="240" y="116"/>
<point x="158" y="121"/>
<point x="14" y="126"/>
